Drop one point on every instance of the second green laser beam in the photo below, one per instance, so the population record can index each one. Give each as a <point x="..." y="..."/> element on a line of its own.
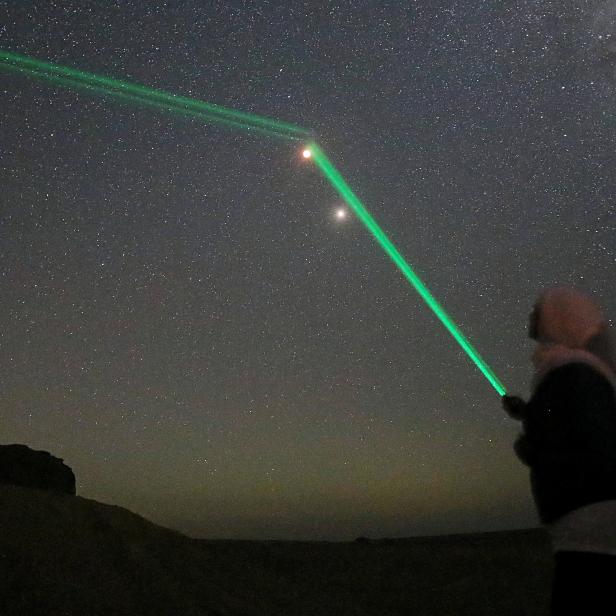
<point x="151" y="96"/>
<point x="147" y="102"/>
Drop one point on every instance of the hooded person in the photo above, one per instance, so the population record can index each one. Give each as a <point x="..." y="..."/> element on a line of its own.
<point x="569" y="443"/>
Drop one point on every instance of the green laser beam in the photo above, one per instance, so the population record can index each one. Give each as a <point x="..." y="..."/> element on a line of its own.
<point x="137" y="100"/>
<point x="137" y="93"/>
<point x="344" y="190"/>
<point x="236" y="119"/>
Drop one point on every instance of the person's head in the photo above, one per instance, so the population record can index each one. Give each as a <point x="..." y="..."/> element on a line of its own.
<point x="567" y="317"/>
<point x="565" y="321"/>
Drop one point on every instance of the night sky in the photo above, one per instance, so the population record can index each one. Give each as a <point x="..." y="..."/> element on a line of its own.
<point x="185" y="320"/>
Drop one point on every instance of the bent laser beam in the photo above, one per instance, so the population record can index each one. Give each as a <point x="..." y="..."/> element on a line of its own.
<point x="253" y="123"/>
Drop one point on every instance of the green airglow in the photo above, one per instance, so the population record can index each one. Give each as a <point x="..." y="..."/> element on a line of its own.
<point x="208" y="112"/>
<point x="343" y="189"/>
<point x="140" y="94"/>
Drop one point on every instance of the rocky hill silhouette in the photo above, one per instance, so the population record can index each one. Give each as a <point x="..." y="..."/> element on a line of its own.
<point x="63" y="555"/>
<point x="22" y="466"/>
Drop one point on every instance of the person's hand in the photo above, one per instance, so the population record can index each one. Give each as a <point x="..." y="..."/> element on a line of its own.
<point x="514" y="406"/>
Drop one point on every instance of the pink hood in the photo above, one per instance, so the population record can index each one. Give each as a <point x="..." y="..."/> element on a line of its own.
<point x="571" y="328"/>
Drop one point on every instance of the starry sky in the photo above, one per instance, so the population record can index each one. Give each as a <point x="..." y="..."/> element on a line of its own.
<point x="186" y="321"/>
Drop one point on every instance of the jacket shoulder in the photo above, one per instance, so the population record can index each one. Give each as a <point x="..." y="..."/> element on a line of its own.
<point x="572" y="380"/>
<point x="574" y="404"/>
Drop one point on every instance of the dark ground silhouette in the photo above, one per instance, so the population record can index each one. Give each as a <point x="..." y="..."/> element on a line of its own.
<point x="65" y="555"/>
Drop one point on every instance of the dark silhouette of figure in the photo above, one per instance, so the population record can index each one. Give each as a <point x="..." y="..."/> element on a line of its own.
<point x="569" y="442"/>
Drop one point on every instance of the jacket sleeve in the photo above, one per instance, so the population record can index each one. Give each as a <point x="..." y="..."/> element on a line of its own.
<point x="523" y="449"/>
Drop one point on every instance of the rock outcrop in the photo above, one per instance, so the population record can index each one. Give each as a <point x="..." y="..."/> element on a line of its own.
<point x="22" y="466"/>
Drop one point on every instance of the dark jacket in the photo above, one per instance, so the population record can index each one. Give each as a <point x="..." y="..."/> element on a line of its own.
<point x="569" y="440"/>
